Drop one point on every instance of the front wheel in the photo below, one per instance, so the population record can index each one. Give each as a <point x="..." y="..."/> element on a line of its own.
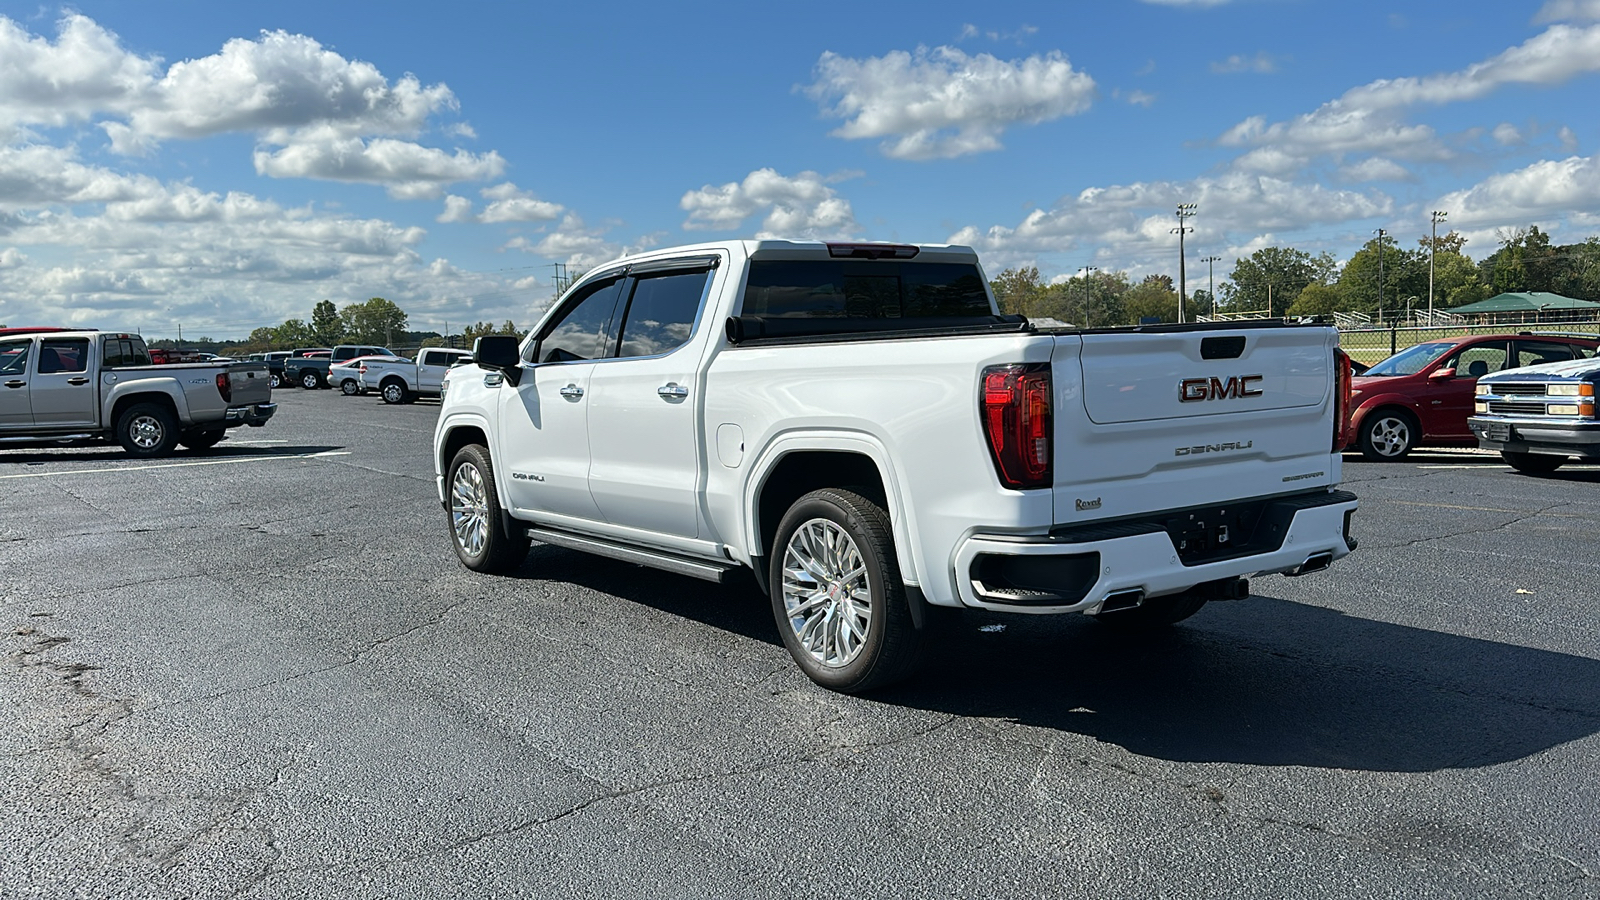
<point x="1532" y="463"/>
<point x="837" y="596"/>
<point x="475" y="521"/>
<point x="1388" y="436"/>
<point x="147" y="430"/>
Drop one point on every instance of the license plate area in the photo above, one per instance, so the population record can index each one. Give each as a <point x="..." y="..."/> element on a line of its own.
<point x="1493" y="432"/>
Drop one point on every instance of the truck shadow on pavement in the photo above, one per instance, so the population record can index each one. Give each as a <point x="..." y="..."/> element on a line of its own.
<point x="1261" y="681"/>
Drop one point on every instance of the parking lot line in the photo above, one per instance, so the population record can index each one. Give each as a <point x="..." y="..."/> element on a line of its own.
<point x="181" y="465"/>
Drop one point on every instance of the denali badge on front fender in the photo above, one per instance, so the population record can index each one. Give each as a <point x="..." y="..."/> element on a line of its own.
<point x="1193" y="389"/>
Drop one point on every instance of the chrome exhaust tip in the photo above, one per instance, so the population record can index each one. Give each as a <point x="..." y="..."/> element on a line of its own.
<point x="1316" y="562"/>
<point x="1122" y="600"/>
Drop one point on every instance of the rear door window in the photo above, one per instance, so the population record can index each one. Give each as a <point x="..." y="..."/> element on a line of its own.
<point x="1532" y="353"/>
<point x="661" y="312"/>
<point x="63" y="355"/>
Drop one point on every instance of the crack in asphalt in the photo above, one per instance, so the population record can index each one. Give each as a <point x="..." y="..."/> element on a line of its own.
<point x="1501" y="527"/>
<point x="351" y="660"/>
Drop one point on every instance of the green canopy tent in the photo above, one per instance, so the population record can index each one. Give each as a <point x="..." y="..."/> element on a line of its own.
<point x="1529" y="306"/>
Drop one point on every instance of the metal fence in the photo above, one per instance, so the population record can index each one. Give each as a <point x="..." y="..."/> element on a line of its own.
<point x="1371" y="345"/>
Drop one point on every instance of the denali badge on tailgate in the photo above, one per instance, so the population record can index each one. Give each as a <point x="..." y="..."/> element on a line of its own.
<point x="1192" y="389"/>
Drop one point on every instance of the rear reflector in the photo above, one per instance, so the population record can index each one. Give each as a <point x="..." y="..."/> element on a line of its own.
<point x="1015" y="406"/>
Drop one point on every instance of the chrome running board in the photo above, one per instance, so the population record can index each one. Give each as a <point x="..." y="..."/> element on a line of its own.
<point x="655" y="559"/>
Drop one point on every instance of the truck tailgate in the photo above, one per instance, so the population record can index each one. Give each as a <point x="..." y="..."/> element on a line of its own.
<point x="1147" y="422"/>
<point x="250" y="382"/>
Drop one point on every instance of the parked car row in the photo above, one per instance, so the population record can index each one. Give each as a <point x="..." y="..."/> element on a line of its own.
<point x="357" y="369"/>
<point x="1424" y="395"/>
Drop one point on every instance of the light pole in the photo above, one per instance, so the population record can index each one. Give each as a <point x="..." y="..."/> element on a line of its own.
<point x="1185" y="212"/>
<point x="1381" y="233"/>
<point x="1433" y="248"/>
<point x="1086" y="271"/>
<point x="1211" y="281"/>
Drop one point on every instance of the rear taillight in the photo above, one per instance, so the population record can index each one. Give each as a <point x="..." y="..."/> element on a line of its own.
<point x="1341" y="398"/>
<point x="1015" y="406"/>
<point x="362" y="368"/>
<point x="224" y="388"/>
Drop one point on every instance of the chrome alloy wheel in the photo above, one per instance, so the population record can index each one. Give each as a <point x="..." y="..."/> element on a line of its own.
<point x="394" y="392"/>
<point x="1390" y="435"/>
<point x="826" y="598"/>
<point x="146" y="432"/>
<point x="469" y="509"/>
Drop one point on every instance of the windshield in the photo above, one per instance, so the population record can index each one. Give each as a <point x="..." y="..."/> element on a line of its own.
<point x="1411" y="360"/>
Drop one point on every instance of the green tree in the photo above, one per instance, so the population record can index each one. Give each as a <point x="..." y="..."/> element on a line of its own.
<point x="1317" y="300"/>
<point x="377" y="321"/>
<point x="259" y="341"/>
<point x="1580" y="275"/>
<point x="1273" y="277"/>
<point x="1154" y="298"/>
<point x="1018" y="291"/>
<point x="1405" y="275"/>
<point x="326" y="327"/>
<point x="293" y="333"/>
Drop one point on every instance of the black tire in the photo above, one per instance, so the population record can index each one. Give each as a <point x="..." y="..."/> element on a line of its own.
<point x="349" y="387"/>
<point x="482" y="546"/>
<point x="147" y="430"/>
<point x="1532" y="463"/>
<point x="202" y="440"/>
<point x="310" y="379"/>
<point x="1388" y="435"/>
<point x="1155" y="613"/>
<point x="393" y="390"/>
<point x="892" y="645"/>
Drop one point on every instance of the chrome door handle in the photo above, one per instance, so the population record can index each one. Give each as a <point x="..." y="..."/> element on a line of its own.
<point x="672" y="391"/>
<point x="78" y="380"/>
<point x="572" y="392"/>
<point x="14" y="383"/>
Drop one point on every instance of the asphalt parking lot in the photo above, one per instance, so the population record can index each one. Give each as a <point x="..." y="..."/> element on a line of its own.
<point x="260" y="672"/>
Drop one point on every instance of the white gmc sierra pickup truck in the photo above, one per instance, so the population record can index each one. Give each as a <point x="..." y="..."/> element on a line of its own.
<point x="858" y="426"/>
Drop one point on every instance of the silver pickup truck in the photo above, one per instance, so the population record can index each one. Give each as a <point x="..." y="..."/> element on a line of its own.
<point x="67" y="387"/>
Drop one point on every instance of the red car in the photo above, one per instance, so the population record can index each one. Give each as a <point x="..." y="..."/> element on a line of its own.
<point x="1422" y="395"/>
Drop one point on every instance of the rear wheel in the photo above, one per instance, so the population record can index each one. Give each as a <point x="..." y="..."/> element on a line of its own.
<point x="475" y="521"/>
<point x="1532" y="463"/>
<point x="1388" y="435"/>
<point x="275" y="380"/>
<point x="201" y="440"/>
<point x="310" y="380"/>
<point x="147" y="430"/>
<point x="394" y="391"/>
<point x="1155" y="612"/>
<point x="837" y="596"/>
<point x="349" y="387"/>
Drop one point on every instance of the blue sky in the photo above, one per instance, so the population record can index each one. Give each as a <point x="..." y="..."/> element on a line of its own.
<point x="225" y="166"/>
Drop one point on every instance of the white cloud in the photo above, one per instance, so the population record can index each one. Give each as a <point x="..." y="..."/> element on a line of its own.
<point x="11" y="257"/>
<point x="1134" y="221"/>
<point x="579" y="246"/>
<point x="1507" y="134"/>
<point x="1545" y="188"/>
<point x="1261" y="63"/>
<point x="508" y="203"/>
<point x="408" y="170"/>
<point x="1139" y="98"/>
<point x="1568" y="11"/>
<point x="804" y="206"/>
<point x="34" y="176"/>
<point x="943" y="103"/>
<point x="1375" y="168"/>
<point x="85" y="70"/>
<point x="1368" y="119"/>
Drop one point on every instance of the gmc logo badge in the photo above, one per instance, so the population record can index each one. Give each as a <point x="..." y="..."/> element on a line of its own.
<point x="1193" y="389"/>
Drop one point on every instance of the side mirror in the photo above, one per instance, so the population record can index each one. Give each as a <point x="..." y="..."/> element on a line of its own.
<point x="499" y="352"/>
<point x="1442" y="375"/>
